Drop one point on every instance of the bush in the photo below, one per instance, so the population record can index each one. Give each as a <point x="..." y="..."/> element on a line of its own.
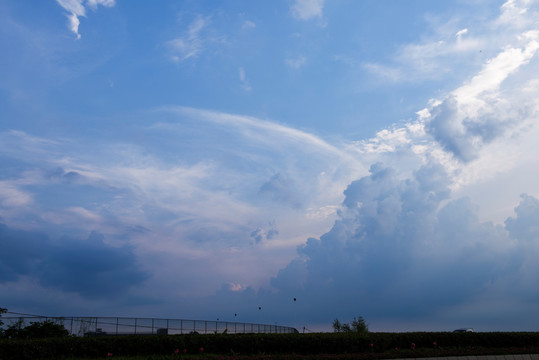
<point x="384" y="345"/>
<point x="358" y="326"/>
<point x="36" y="330"/>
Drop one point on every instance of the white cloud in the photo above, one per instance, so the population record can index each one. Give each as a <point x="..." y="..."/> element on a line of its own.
<point x="243" y="80"/>
<point x="460" y="33"/>
<point x="515" y="13"/>
<point x="85" y="214"/>
<point x="12" y="196"/>
<point x="191" y="43"/>
<point x="387" y="140"/>
<point x="307" y="9"/>
<point x="426" y="58"/>
<point x="74" y="23"/>
<point x="296" y="63"/>
<point x="93" y="4"/>
<point x="435" y="55"/>
<point x="76" y="9"/>
<point x="481" y="132"/>
<point x="391" y="73"/>
<point x="478" y="112"/>
<point x="247" y="24"/>
<point x="474" y="118"/>
<point x="251" y="127"/>
<point x="73" y="6"/>
<point x="496" y="70"/>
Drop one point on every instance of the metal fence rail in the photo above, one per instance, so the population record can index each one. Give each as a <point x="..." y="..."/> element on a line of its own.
<point x="103" y="326"/>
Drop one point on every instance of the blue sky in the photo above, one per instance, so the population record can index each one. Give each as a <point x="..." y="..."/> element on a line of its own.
<point x="199" y="159"/>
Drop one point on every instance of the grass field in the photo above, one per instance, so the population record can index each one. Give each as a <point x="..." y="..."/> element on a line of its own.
<point x="388" y="355"/>
<point x="369" y="346"/>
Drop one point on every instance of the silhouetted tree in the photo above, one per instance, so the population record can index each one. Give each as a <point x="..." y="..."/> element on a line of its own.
<point x="2" y="311"/>
<point x="358" y="326"/>
<point x="337" y="325"/>
<point x="35" y="330"/>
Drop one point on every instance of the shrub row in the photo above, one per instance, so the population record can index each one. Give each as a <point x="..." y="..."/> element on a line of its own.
<point x="254" y="344"/>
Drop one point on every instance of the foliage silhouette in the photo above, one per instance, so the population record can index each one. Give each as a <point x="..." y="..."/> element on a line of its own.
<point x="357" y="326"/>
<point x="36" y="330"/>
<point x="2" y="311"/>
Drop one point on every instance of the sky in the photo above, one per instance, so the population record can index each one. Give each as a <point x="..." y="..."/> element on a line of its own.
<point x="201" y="159"/>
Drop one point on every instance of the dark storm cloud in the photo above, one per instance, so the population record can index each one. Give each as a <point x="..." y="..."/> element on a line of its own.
<point x="90" y="268"/>
<point x="21" y="252"/>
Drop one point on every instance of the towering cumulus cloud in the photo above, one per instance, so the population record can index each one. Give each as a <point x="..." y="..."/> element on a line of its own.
<point x="401" y="250"/>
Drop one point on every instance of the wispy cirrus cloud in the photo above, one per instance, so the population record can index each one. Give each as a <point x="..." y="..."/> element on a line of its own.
<point x="296" y="63"/>
<point x="425" y="60"/>
<point x="256" y="128"/>
<point x="191" y="43"/>
<point x="516" y="14"/>
<point x="248" y="24"/>
<point x="307" y="9"/>
<point x="456" y="41"/>
<point x="94" y="3"/>
<point x="243" y="80"/>
<point x="11" y="196"/>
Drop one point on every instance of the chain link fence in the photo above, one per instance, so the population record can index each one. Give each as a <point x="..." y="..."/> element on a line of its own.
<point x="106" y="326"/>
